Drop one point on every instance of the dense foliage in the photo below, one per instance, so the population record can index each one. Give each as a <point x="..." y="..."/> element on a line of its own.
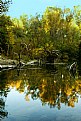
<point x="38" y="36"/>
<point x="4" y="5"/>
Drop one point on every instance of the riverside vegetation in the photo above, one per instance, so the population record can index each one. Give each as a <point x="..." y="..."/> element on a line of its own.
<point x="38" y="36"/>
<point x="30" y="92"/>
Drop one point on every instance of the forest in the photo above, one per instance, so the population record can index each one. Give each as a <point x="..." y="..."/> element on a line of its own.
<point x="41" y="36"/>
<point x="40" y="64"/>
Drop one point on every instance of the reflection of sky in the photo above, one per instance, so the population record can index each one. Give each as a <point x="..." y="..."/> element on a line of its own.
<point x="21" y="110"/>
<point x="31" y="7"/>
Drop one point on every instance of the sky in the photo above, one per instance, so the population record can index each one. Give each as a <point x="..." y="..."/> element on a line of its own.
<point x="31" y="7"/>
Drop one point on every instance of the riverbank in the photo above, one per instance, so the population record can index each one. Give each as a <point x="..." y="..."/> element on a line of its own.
<point x="7" y="61"/>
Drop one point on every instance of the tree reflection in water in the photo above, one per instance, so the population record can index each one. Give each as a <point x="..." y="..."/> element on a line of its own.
<point x="50" y="87"/>
<point x="3" y="94"/>
<point x="3" y="112"/>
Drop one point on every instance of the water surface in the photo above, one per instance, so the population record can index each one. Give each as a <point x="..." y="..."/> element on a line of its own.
<point x="34" y="93"/>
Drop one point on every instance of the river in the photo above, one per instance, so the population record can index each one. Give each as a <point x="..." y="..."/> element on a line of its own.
<point x="40" y="93"/>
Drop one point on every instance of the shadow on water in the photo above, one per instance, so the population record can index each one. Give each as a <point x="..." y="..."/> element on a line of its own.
<point x="50" y="68"/>
<point x="79" y="67"/>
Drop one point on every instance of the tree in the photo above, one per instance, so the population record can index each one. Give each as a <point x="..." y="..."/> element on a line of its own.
<point x="4" y="5"/>
<point x="20" y="44"/>
<point x="6" y="34"/>
<point x="5" y="27"/>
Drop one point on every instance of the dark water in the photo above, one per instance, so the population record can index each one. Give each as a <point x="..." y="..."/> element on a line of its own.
<point x="48" y="93"/>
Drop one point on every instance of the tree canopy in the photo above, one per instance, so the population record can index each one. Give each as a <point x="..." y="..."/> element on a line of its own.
<point x="57" y="29"/>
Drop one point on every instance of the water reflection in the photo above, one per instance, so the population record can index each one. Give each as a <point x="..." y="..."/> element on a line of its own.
<point x="79" y="67"/>
<point x="53" y="87"/>
<point x="3" y="112"/>
<point x="3" y="94"/>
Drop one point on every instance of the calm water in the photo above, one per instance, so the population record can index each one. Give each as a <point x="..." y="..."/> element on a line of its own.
<point x="48" y="93"/>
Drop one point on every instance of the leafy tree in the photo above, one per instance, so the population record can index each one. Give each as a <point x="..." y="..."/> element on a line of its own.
<point x="19" y="30"/>
<point x="56" y="29"/>
<point x="5" y="27"/>
<point x="4" y="5"/>
<point x="7" y="37"/>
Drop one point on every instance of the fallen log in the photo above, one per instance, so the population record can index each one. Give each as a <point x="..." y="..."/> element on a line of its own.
<point x="32" y="62"/>
<point x="7" y="66"/>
